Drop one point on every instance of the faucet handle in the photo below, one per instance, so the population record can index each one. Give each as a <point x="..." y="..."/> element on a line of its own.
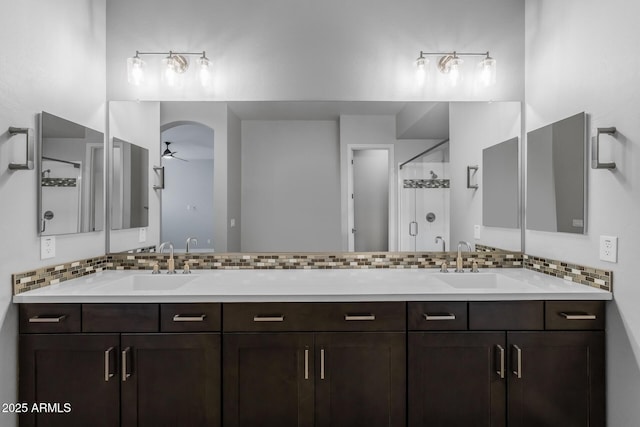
<point x="443" y="267"/>
<point x="185" y="268"/>
<point x="156" y="268"/>
<point x="474" y="267"/>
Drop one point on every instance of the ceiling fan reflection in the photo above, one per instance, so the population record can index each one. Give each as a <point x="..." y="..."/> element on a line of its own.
<point x="168" y="154"/>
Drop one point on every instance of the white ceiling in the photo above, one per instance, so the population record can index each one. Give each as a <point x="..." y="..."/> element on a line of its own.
<point x="311" y="110"/>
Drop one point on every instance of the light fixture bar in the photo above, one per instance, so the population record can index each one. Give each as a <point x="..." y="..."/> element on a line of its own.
<point x="174" y="65"/>
<point x="171" y="52"/>
<point x="455" y="52"/>
<point x="451" y="64"/>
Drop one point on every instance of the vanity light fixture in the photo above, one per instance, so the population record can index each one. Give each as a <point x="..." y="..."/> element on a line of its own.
<point x="450" y="64"/>
<point x="174" y="67"/>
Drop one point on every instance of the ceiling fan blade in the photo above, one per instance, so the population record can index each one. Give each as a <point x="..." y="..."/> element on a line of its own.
<point x="184" y="160"/>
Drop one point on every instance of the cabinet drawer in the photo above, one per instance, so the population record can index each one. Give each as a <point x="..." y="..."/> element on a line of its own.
<point x="437" y="316"/>
<point x="49" y="318"/>
<point x="189" y="317"/>
<point x="506" y="315"/>
<point x="120" y="317"/>
<point x="574" y="315"/>
<point x="267" y="317"/>
<point x="360" y="316"/>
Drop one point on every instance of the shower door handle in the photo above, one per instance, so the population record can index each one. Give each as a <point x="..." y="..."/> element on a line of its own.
<point x="411" y="224"/>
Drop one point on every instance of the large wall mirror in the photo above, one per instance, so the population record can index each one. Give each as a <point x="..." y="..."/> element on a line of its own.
<point x="556" y="176"/>
<point x="293" y="176"/>
<point x="71" y="181"/>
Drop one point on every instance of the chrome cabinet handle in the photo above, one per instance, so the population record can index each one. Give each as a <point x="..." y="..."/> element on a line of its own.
<point x="439" y="316"/>
<point x="107" y="364"/>
<point x="276" y="318"/>
<point x="357" y="317"/>
<point x="125" y="373"/>
<point x="306" y="363"/>
<point x="322" y="363"/>
<point x="185" y="318"/>
<point x="578" y="316"/>
<point x="518" y="361"/>
<point x="47" y="319"/>
<point x="500" y="370"/>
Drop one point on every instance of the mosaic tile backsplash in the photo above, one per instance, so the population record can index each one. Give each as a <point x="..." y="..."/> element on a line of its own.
<point x="46" y="276"/>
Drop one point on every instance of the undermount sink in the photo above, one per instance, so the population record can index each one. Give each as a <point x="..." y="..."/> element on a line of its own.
<point x="481" y="281"/>
<point x="142" y="282"/>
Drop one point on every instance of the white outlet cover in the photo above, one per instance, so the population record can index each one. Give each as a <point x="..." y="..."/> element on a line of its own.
<point x="476" y="231"/>
<point x="47" y="247"/>
<point x="609" y="248"/>
<point x="142" y="235"/>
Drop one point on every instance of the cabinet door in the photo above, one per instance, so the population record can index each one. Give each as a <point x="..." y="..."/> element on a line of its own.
<point x="556" y="379"/>
<point x="170" y="380"/>
<point x="78" y="370"/>
<point x="456" y="379"/>
<point x="361" y="379"/>
<point x="268" y="380"/>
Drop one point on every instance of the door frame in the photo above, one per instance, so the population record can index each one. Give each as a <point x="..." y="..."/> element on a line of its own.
<point x="392" y="239"/>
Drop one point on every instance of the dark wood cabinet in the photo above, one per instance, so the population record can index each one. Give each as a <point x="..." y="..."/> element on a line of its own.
<point x="268" y="380"/>
<point x="456" y="379"/>
<point x="75" y="372"/>
<point x="556" y="379"/>
<point x="360" y="379"/>
<point x="121" y="378"/>
<point x="170" y="379"/>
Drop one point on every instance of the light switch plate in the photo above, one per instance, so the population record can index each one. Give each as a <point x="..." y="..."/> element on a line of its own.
<point x="609" y="248"/>
<point x="142" y="235"/>
<point x="47" y="247"/>
<point x="476" y="231"/>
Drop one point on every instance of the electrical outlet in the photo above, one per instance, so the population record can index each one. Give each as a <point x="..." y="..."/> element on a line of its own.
<point x="233" y="222"/>
<point x="142" y="235"/>
<point x="47" y="247"/>
<point x="609" y="248"/>
<point x="476" y="232"/>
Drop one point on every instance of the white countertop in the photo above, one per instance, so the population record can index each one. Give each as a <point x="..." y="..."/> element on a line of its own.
<point x="312" y="285"/>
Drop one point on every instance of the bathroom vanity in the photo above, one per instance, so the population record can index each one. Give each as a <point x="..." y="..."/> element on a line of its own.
<point x="315" y="348"/>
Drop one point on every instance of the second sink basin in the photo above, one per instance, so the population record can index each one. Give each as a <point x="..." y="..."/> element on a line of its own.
<point x="494" y="281"/>
<point x="142" y="282"/>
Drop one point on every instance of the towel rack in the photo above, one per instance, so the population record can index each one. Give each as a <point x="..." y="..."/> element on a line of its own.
<point x="28" y="163"/>
<point x="469" y="169"/>
<point x="595" y="149"/>
<point x="160" y="169"/>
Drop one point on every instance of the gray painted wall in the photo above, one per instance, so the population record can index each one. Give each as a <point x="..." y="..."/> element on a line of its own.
<point x="290" y="186"/>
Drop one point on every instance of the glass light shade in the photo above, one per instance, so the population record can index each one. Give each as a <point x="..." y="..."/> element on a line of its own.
<point x="455" y="75"/>
<point x="204" y="71"/>
<point x="135" y="70"/>
<point x="487" y="71"/>
<point x="422" y="65"/>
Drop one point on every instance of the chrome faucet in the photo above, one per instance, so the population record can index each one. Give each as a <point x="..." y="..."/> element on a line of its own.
<point x="171" y="269"/>
<point x="459" y="268"/>
<point x="191" y="240"/>
<point x="444" y="245"/>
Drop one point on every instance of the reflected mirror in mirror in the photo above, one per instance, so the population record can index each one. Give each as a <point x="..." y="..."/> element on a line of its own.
<point x="556" y="176"/>
<point x="500" y="200"/>
<point x="130" y="186"/>
<point x="71" y="182"/>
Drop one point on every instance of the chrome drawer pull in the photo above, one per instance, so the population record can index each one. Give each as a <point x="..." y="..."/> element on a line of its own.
<point x="578" y="316"/>
<point x="322" y="363"/>
<point x="125" y="373"/>
<point x="500" y="370"/>
<point x="278" y="318"/>
<point x="518" y="362"/>
<point x="107" y="364"/>
<point x="306" y="363"/>
<point x="439" y="316"/>
<point x="183" y="318"/>
<point x="357" y="317"/>
<point x="47" y="319"/>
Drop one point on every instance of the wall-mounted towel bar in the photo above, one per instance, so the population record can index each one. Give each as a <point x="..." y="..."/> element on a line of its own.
<point x="28" y="134"/>
<point x="473" y="168"/>
<point x="595" y="149"/>
<point x="159" y="169"/>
